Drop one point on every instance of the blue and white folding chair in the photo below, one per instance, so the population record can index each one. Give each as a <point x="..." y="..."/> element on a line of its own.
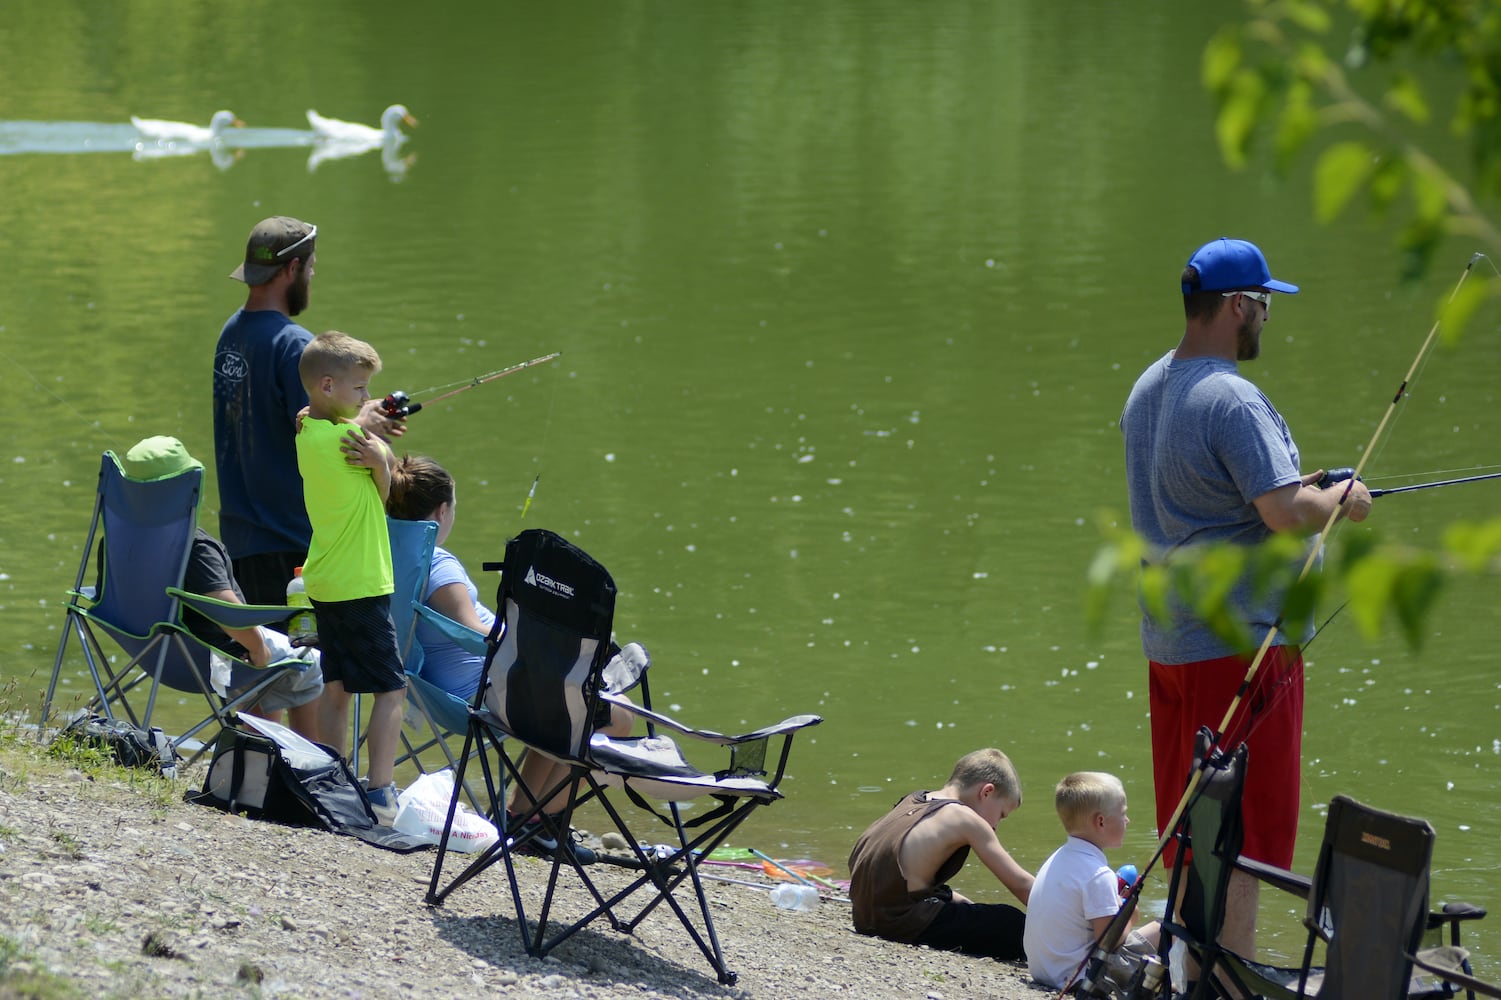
<point x="446" y="715"/>
<point x="147" y="529"/>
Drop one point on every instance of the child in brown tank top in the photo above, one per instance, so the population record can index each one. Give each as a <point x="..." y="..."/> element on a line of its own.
<point x="901" y="863"/>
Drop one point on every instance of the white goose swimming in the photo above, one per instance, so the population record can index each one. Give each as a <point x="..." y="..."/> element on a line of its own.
<point x="332" y="129"/>
<point x="160" y="130"/>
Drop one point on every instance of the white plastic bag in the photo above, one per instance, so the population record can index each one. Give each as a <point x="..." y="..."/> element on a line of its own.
<point x="423" y="809"/>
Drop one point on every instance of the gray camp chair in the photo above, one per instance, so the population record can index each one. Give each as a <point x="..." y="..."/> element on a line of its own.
<point x="1367" y="900"/>
<point x="551" y="677"/>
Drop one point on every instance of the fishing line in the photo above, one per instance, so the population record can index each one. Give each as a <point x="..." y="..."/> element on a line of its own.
<point x="94" y="425"/>
<point x="1420" y="364"/>
<point x="552" y="399"/>
<point x="1430" y="472"/>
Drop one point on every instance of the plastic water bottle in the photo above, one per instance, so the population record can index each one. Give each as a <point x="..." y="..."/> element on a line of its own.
<point x="303" y="627"/>
<point x="795" y="897"/>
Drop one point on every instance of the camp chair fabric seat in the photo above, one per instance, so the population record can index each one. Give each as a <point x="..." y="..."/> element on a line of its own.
<point x="551" y="678"/>
<point x="147" y="529"/>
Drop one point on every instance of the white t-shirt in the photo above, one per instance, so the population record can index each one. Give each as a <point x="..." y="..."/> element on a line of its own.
<point x="1073" y="887"/>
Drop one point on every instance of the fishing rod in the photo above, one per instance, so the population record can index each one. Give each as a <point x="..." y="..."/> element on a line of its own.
<point x="1340" y="475"/>
<point x="400" y="404"/>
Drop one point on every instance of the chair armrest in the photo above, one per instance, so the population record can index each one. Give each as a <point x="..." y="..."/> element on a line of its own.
<point x="462" y="636"/>
<point x="789" y="725"/>
<point x="1281" y="878"/>
<point x="1453" y="913"/>
<point x="228" y="614"/>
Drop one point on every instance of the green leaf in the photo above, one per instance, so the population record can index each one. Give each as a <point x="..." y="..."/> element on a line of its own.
<point x="1405" y="97"/>
<point x="1300" y="600"/>
<point x="1387" y="181"/>
<point x="1222" y="58"/>
<point x="1430" y="195"/>
<point x="1474" y="545"/>
<point x="1239" y="112"/>
<point x="1298" y="123"/>
<point x="1311" y="63"/>
<point x="1417" y="587"/>
<point x="1370" y="584"/>
<point x="1339" y="173"/>
<point x="1454" y="314"/>
<point x="1156" y="585"/>
<point x="1311" y="17"/>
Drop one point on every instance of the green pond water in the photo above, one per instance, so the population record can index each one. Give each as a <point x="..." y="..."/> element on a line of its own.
<point x="848" y="295"/>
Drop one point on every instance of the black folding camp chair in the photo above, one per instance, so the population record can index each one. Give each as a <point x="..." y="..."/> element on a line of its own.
<point x="550" y="679"/>
<point x="1367" y="901"/>
<point x="148" y="528"/>
<point x="1208" y="840"/>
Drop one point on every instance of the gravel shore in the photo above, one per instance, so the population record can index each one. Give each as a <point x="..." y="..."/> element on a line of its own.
<point x="112" y="886"/>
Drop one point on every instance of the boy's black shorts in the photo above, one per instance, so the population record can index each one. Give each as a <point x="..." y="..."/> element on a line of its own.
<point x="991" y="929"/>
<point x="359" y="644"/>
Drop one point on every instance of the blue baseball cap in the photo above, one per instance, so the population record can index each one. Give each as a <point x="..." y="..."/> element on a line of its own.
<point x="1226" y="265"/>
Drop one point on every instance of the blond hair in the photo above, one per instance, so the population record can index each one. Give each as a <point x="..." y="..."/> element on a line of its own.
<point x="1082" y="794"/>
<point x="988" y="766"/>
<point x="334" y="353"/>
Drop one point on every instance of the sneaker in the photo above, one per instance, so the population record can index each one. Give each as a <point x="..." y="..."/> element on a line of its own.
<point x="531" y="837"/>
<point x="536" y="839"/>
<point x="383" y="803"/>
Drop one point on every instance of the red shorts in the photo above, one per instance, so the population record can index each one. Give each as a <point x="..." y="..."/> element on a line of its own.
<point x="1185" y="696"/>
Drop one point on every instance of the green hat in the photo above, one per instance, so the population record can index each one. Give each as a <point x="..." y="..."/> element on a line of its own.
<point x="158" y="458"/>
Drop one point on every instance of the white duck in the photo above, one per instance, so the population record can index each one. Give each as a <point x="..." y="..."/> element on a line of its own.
<point x="158" y="130"/>
<point x="334" y="130"/>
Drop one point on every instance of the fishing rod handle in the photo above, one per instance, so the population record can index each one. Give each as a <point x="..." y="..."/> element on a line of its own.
<point x="398" y="404"/>
<point x="1334" y="476"/>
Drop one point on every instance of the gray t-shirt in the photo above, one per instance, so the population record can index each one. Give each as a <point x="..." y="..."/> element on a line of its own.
<point x="1202" y="444"/>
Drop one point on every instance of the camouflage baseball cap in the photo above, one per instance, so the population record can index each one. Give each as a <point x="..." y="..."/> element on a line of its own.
<point x="270" y="247"/>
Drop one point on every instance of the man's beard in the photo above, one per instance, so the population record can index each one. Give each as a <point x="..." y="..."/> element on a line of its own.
<point x="1247" y="340"/>
<point x="297" y="293"/>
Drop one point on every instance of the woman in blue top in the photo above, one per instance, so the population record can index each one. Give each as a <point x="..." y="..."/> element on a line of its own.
<point x="422" y="490"/>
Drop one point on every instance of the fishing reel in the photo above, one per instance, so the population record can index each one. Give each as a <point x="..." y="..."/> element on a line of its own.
<point x="1122" y="976"/>
<point x="1335" y="476"/>
<point x="398" y="405"/>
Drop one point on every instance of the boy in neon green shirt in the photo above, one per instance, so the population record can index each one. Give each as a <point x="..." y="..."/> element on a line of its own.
<point x="346" y="477"/>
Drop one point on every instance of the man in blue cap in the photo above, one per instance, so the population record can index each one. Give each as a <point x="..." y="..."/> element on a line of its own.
<point x="1210" y="460"/>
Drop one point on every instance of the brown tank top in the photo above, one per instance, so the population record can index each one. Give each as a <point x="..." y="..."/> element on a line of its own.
<point x="882" y="905"/>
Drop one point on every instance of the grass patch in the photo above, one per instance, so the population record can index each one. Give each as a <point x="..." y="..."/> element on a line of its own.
<point x="22" y="978"/>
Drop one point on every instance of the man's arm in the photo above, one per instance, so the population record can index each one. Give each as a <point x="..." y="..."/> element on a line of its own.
<point x="256" y="650"/>
<point x="1304" y="508"/>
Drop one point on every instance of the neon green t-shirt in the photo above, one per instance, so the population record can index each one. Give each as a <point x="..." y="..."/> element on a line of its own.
<point x="350" y="555"/>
